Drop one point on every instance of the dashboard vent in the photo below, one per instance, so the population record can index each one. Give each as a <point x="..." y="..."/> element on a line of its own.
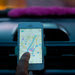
<point x="62" y="57"/>
<point x="55" y="35"/>
<point x="8" y="61"/>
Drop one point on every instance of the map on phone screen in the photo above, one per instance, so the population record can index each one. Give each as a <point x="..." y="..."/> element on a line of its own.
<point x="31" y="41"/>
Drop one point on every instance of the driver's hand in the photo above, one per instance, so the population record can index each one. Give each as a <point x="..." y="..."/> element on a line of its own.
<point x="22" y="67"/>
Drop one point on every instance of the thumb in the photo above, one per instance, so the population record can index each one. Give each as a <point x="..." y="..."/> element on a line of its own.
<point x="23" y="63"/>
<point x="25" y="60"/>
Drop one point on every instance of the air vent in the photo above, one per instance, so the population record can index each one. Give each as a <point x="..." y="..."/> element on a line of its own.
<point x="55" y="35"/>
<point x="60" y="57"/>
<point x="7" y="61"/>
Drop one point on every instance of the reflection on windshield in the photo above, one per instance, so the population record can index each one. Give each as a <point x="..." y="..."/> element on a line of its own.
<point x="67" y="3"/>
<point x="7" y="4"/>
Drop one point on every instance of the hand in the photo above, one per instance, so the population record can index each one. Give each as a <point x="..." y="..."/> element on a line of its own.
<point x="22" y="67"/>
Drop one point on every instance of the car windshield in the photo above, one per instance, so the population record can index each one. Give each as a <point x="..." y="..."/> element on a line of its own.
<point x="8" y="4"/>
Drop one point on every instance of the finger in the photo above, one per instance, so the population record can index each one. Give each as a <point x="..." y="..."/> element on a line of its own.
<point x="23" y="63"/>
<point x="26" y="62"/>
<point x="25" y="57"/>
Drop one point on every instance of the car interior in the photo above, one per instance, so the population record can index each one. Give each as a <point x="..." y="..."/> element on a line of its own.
<point x="59" y="42"/>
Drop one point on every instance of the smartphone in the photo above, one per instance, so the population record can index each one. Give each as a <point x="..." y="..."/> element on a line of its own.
<point x="30" y="39"/>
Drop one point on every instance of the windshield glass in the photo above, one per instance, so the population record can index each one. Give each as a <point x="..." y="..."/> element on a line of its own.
<point x="8" y="4"/>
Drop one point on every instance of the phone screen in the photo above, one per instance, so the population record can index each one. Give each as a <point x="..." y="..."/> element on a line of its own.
<point x="31" y="41"/>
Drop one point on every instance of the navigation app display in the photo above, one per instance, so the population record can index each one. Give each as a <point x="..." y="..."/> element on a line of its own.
<point x="31" y="41"/>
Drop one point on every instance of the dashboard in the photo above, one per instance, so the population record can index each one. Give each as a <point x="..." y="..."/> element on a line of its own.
<point x="59" y="41"/>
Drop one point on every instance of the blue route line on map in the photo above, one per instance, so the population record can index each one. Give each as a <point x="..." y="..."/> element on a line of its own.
<point x="31" y="43"/>
<point x="34" y="50"/>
